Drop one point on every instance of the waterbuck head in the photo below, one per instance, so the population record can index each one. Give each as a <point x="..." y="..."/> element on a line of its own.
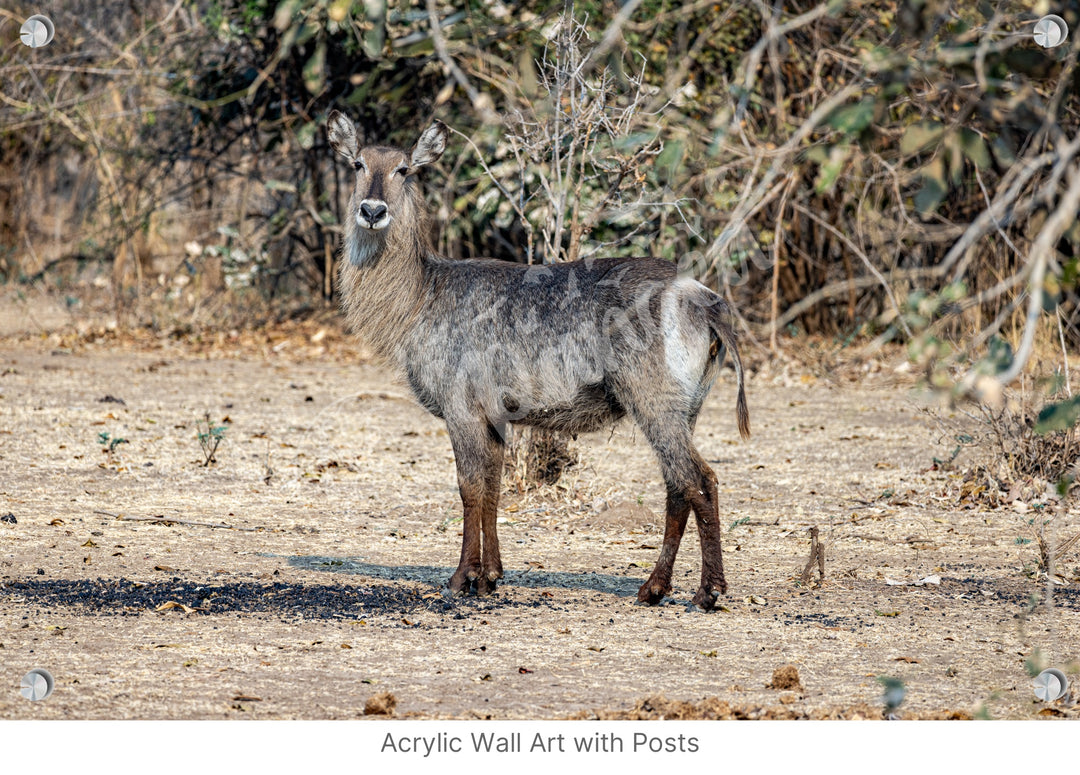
<point x="384" y="190"/>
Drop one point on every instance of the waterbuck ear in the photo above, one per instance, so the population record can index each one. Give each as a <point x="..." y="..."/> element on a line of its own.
<point x="431" y="145"/>
<point x="342" y="134"/>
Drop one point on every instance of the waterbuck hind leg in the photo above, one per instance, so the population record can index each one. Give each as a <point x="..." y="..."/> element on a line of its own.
<point x="691" y="484"/>
<point x="491" y="560"/>
<point x="659" y="583"/>
<point x="707" y="513"/>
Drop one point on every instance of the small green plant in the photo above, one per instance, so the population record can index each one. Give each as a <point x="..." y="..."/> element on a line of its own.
<point x="736" y="523"/>
<point x="210" y="437"/>
<point x="109" y="443"/>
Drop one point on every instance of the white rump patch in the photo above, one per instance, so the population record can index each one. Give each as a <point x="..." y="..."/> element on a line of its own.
<point x="686" y="350"/>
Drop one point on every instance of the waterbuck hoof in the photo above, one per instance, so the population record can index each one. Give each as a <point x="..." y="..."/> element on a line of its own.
<point x="459" y="589"/>
<point x="705" y="598"/>
<point x="652" y="592"/>
<point x="485" y="586"/>
<point x="462" y="582"/>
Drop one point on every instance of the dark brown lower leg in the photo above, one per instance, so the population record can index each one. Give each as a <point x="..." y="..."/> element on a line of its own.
<point x="707" y="514"/>
<point x="468" y="570"/>
<point x="470" y="457"/>
<point x="491" y="565"/>
<point x="659" y="582"/>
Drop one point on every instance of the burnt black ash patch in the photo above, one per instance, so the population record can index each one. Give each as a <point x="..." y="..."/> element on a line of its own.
<point x="123" y="597"/>
<point x="1019" y="592"/>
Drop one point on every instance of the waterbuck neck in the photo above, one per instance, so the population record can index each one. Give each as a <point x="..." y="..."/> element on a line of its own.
<point x="383" y="279"/>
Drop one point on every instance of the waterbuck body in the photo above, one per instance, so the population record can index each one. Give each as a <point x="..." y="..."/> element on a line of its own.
<point x="571" y="347"/>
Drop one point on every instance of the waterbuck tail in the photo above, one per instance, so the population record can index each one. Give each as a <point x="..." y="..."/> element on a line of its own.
<point x="721" y="327"/>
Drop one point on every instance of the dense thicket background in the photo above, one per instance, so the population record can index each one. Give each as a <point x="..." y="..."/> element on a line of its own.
<point x="901" y="170"/>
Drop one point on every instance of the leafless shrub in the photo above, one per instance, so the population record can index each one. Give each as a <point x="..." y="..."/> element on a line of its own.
<point x="580" y="146"/>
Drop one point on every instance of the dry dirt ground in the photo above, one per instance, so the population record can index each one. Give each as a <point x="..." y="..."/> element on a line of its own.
<point x="307" y="566"/>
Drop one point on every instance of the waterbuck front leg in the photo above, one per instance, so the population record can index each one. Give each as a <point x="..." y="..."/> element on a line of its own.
<point x="478" y="456"/>
<point x="491" y="562"/>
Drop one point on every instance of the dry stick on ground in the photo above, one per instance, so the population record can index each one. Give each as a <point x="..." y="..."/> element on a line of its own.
<point x="163" y="520"/>
<point x="1049" y="553"/>
<point x="817" y="553"/>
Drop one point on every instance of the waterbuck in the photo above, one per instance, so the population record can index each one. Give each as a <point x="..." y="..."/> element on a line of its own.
<point x="571" y="347"/>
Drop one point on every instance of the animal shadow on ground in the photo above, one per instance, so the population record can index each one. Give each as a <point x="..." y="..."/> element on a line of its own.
<point x="391" y="593"/>
<point x="621" y="586"/>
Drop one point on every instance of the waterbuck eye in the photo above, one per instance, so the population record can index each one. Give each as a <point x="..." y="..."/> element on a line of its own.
<point x="359" y="165"/>
<point x="403" y="171"/>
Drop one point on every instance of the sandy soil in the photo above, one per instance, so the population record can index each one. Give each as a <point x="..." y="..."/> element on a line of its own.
<point x="308" y="564"/>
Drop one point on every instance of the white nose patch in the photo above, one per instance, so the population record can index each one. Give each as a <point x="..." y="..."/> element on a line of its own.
<point x="373" y="215"/>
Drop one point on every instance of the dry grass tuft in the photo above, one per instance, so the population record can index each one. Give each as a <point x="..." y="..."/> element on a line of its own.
<point x="786" y="677"/>
<point x="382" y="704"/>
